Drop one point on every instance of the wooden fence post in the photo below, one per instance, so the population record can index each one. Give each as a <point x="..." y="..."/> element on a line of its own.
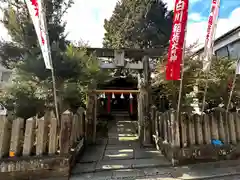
<point x="53" y="139"/>
<point x="81" y="123"/>
<point x="183" y="122"/>
<point x="175" y="129"/>
<point x="42" y="135"/>
<point x="169" y="127"/>
<point x="237" y="119"/>
<point x="157" y="124"/>
<point x="165" y="127"/>
<point x="222" y="135"/>
<point x="5" y="135"/>
<point x="232" y="128"/>
<point x="206" y="129"/>
<point x="226" y="128"/>
<point x="17" y="137"/>
<point x="214" y="127"/>
<point x="191" y="130"/>
<point x="29" y="136"/>
<point x="65" y="132"/>
<point x="153" y="118"/>
<point x="74" y="130"/>
<point x="199" y="129"/>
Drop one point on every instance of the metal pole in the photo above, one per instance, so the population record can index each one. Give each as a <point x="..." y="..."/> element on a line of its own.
<point x="55" y="96"/>
<point x="205" y="93"/>
<point x="182" y="73"/>
<point x="232" y="88"/>
<point x="52" y="69"/>
<point x="181" y="84"/>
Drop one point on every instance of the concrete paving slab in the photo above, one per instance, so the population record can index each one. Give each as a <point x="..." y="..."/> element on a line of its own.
<point x="157" y="171"/>
<point x="104" y="175"/>
<point x="114" y="164"/>
<point x="84" y="168"/>
<point x="203" y="173"/>
<point x="143" y="163"/>
<point x="86" y="176"/>
<point x="123" y="146"/>
<point x="115" y="154"/>
<point x="127" y="173"/>
<point x="92" y="154"/>
<point x="147" y="153"/>
<point x="122" y="140"/>
<point x="101" y="141"/>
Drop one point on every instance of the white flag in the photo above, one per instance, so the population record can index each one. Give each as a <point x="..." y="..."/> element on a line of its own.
<point x="211" y="29"/>
<point x="38" y="17"/>
<point x="238" y="66"/>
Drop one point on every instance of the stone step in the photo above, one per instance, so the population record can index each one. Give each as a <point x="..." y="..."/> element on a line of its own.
<point x="107" y="165"/>
<point x="194" y="172"/>
<point x="132" y="164"/>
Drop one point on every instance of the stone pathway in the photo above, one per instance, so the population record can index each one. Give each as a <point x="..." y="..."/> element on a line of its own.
<point x="120" y="157"/>
<point x="120" y="154"/>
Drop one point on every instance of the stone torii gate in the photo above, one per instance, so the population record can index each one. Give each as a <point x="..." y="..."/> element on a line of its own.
<point x="143" y="67"/>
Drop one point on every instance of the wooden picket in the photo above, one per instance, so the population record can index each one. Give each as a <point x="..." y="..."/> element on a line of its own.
<point x="40" y="136"/>
<point x="192" y="132"/>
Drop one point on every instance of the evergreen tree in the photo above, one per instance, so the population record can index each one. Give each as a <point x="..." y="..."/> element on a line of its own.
<point x="138" y="24"/>
<point x="32" y="85"/>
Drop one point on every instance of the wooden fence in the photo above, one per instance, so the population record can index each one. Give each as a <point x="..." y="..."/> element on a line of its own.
<point x="193" y="136"/>
<point x="22" y="141"/>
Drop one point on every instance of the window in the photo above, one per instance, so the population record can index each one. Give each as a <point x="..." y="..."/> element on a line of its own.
<point x="222" y="52"/>
<point x="234" y="49"/>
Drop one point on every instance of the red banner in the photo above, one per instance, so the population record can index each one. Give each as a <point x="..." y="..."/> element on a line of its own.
<point x="175" y="52"/>
<point x="212" y="25"/>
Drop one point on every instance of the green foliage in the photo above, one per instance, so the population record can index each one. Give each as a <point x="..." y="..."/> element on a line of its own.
<point x="21" y="99"/>
<point x="222" y="71"/>
<point x="74" y="96"/>
<point x="138" y="24"/>
<point x="32" y="87"/>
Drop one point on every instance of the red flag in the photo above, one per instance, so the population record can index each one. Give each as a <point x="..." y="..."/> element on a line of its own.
<point x="175" y="52"/>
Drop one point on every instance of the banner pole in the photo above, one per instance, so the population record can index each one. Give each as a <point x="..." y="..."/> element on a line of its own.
<point x="181" y="82"/>
<point x="182" y="73"/>
<point x="52" y="69"/>
<point x="55" y="96"/>
<point x="232" y="88"/>
<point x="205" y="92"/>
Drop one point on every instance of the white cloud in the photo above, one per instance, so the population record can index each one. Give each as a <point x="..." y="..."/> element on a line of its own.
<point x="197" y="31"/>
<point x="194" y="17"/>
<point x="85" y="20"/>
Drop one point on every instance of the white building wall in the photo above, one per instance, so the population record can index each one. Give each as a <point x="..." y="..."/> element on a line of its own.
<point x="228" y="46"/>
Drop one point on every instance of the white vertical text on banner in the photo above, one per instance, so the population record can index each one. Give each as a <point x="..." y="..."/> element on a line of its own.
<point x="36" y="13"/>
<point x="209" y="41"/>
<point x="176" y="47"/>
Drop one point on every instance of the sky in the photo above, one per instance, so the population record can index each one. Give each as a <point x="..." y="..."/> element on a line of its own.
<point x="85" y="19"/>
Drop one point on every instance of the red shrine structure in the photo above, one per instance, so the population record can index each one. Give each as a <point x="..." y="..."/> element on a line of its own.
<point x="118" y="95"/>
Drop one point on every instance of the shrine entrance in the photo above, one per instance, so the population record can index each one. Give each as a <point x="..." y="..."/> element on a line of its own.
<point x="117" y="96"/>
<point x="123" y="94"/>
